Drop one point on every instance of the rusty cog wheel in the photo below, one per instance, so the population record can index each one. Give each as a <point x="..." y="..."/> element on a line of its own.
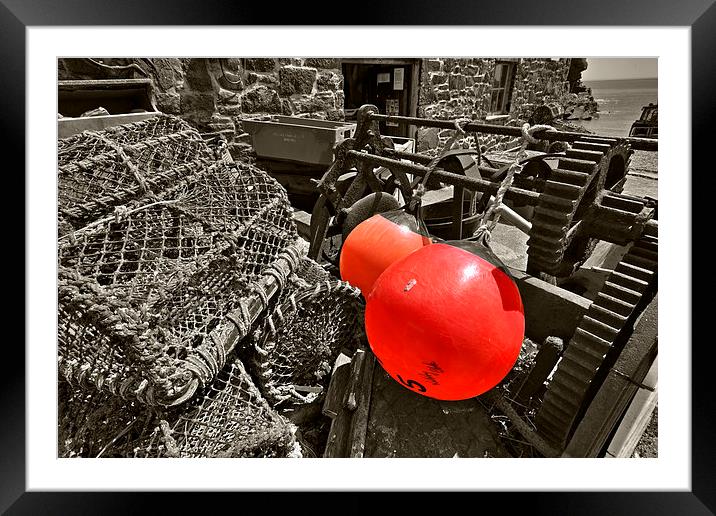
<point x="614" y="163"/>
<point x="613" y="168"/>
<point x="568" y="193"/>
<point x="599" y="336"/>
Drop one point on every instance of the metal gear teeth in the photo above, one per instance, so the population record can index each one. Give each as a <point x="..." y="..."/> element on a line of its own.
<point x="619" y="149"/>
<point x="594" y="337"/>
<point x="553" y="216"/>
<point x="622" y="202"/>
<point x="584" y="168"/>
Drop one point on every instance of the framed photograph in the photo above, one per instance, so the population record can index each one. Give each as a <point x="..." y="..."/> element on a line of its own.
<point x="212" y="166"/>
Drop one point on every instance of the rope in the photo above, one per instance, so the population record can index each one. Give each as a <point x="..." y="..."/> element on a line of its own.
<point x="107" y="200"/>
<point x="527" y="131"/>
<point x="492" y="215"/>
<point x="120" y="214"/>
<point x="261" y="293"/>
<point x="416" y="199"/>
<point x="134" y="169"/>
<point x="172" y="450"/>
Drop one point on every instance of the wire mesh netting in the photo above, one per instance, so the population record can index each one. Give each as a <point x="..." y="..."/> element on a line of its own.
<point x="96" y="424"/>
<point x="314" y="319"/>
<point x="228" y="418"/>
<point x="94" y="143"/>
<point x="169" y="256"/>
<point x="141" y="292"/>
<point x="99" y="170"/>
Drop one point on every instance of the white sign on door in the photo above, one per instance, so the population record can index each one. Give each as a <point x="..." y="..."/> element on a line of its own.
<point x="398" y="78"/>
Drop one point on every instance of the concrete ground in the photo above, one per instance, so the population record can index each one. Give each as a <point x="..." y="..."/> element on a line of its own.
<point x="406" y="425"/>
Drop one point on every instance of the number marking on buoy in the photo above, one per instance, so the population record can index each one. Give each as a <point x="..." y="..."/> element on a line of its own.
<point x="412" y="384"/>
<point x="432" y="372"/>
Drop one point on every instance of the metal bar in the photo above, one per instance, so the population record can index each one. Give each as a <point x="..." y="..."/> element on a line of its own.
<point x="573" y="231"/>
<point x="518" y="221"/>
<point x="547" y="357"/>
<point x="646" y="144"/>
<point x="333" y="401"/>
<point x="470" y="183"/>
<point x="424" y="160"/>
<point x="350" y="398"/>
<point x="515" y="218"/>
<point x="458" y="198"/>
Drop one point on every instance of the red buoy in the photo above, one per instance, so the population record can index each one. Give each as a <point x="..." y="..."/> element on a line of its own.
<point x="446" y="322"/>
<point x="376" y="243"/>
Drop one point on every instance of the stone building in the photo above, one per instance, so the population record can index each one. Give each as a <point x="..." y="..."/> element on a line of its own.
<point x="215" y="94"/>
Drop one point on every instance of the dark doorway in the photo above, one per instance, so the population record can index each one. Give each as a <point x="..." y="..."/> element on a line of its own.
<point x="390" y="84"/>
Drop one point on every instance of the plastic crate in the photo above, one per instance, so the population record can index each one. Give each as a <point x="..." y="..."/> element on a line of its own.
<point x="302" y="140"/>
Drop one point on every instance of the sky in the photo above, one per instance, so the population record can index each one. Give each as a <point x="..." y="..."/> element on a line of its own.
<point x="604" y="68"/>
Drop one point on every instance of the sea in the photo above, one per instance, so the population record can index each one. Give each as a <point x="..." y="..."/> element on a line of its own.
<point x="620" y="102"/>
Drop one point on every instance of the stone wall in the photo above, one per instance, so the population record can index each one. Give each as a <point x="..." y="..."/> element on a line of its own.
<point x="256" y="87"/>
<point x="214" y="94"/>
<point x="461" y="87"/>
<point x="539" y="82"/>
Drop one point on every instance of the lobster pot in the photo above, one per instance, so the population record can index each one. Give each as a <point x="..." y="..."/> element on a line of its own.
<point x="92" y="143"/>
<point x="152" y="300"/>
<point x="228" y="418"/>
<point x="97" y="424"/>
<point x="315" y="318"/>
<point x="100" y="170"/>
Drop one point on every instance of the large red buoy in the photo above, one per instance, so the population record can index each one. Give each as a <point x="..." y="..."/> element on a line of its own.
<point x="446" y="321"/>
<point x="376" y="243"/>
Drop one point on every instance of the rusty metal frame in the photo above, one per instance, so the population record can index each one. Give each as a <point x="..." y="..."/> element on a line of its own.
<point x="368" y="149"/>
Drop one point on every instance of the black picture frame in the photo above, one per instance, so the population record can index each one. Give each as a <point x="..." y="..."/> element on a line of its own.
<point x="700" y="15"/>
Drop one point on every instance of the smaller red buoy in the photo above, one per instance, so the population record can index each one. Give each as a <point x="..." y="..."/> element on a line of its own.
<point x="363" y="209"/>
<point x="376" y="243"/>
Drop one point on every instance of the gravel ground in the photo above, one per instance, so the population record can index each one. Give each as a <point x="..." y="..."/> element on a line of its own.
<point x="644" y="162"/>
<point x="647" y="447"/>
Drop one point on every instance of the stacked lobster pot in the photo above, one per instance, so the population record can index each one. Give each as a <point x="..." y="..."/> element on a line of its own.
<point x="188" y="309"/>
